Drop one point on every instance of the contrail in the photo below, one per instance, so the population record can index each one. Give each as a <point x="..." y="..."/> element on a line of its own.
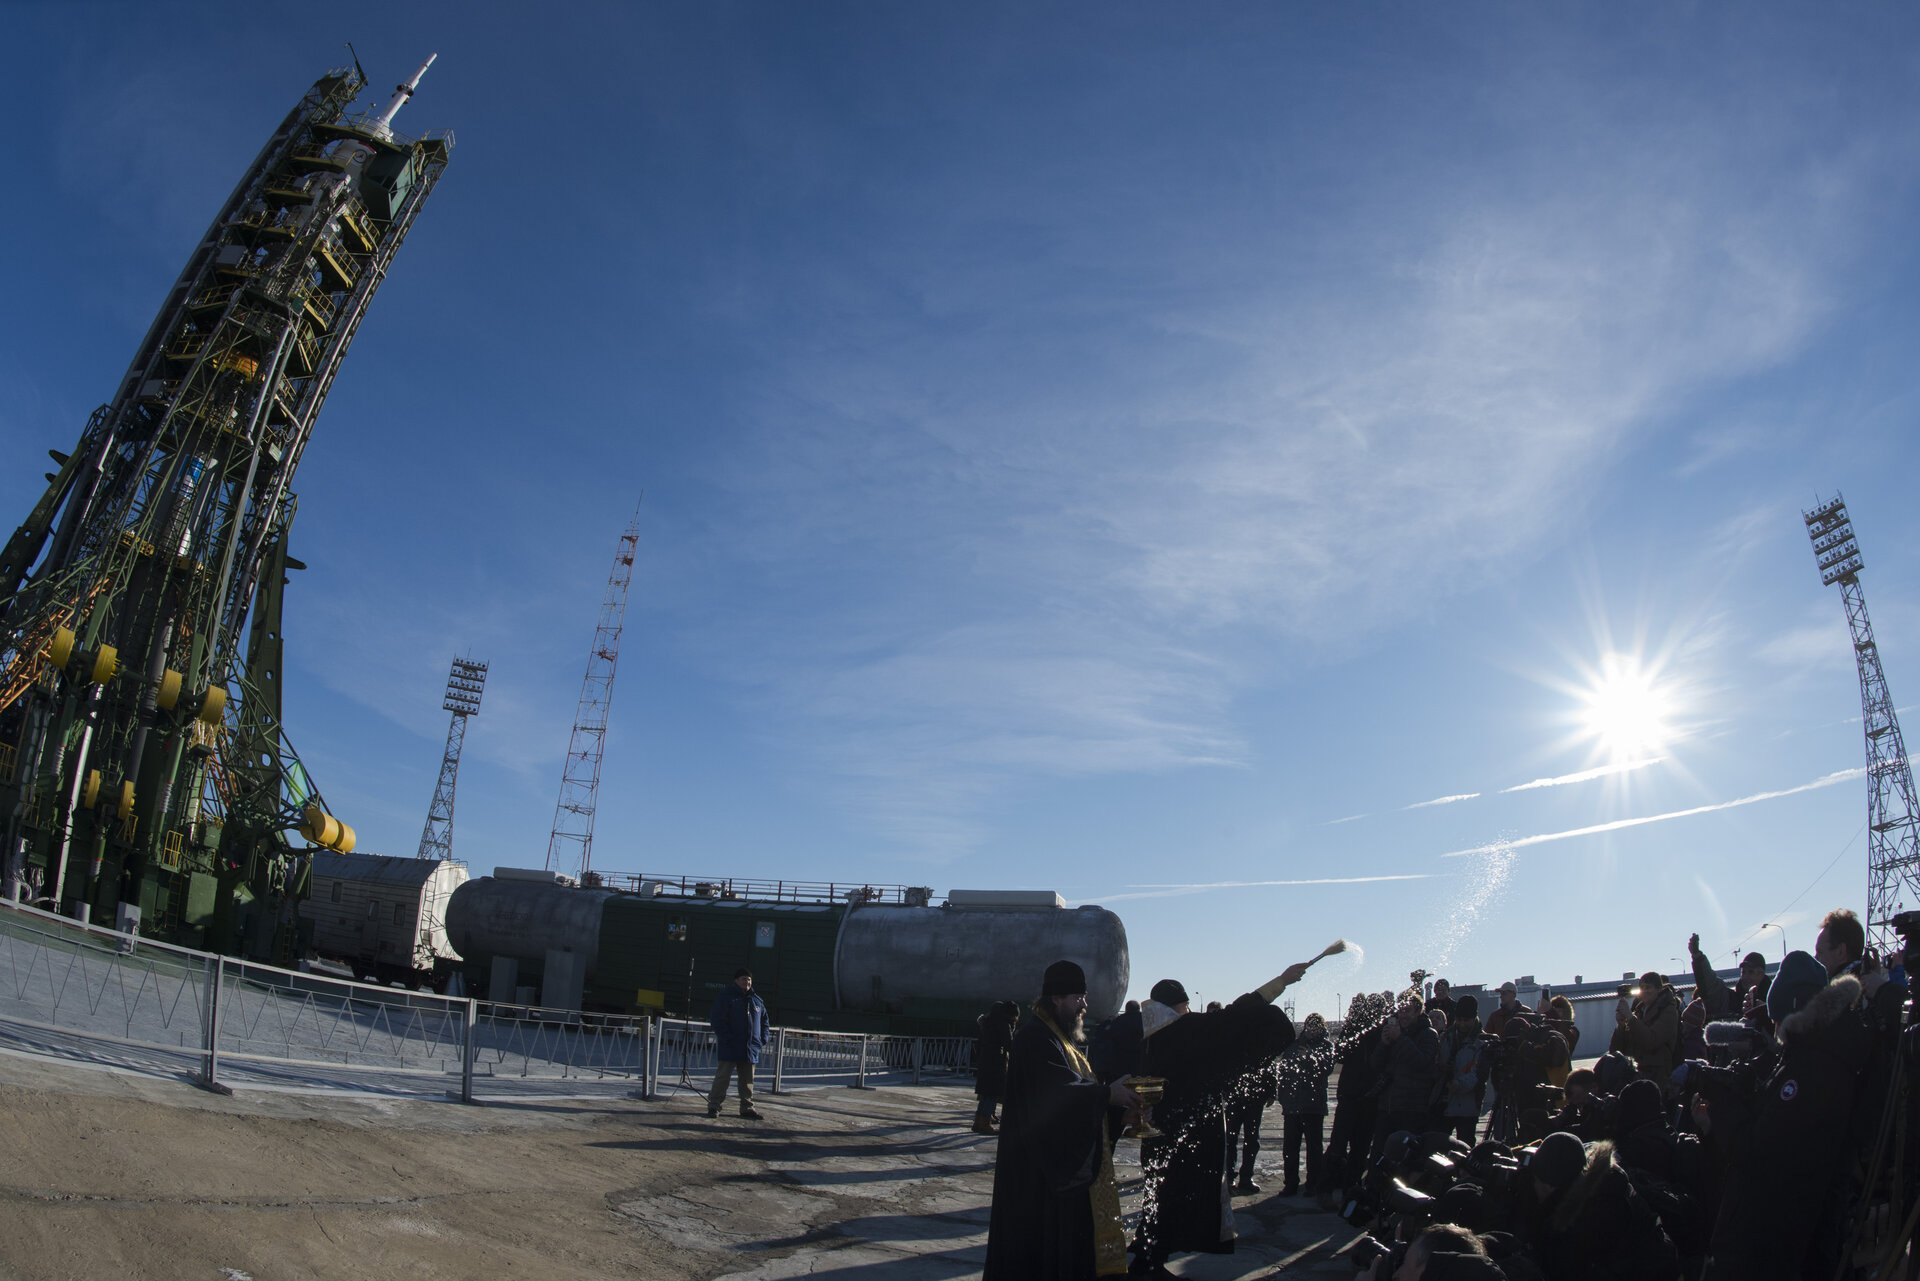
<point x="1171" y="891"/>
<point x="1584" y="775"/>
<point x="1828" y="780"/>
<point x="1319" y="880"/>
<point x="1442" y="800"/>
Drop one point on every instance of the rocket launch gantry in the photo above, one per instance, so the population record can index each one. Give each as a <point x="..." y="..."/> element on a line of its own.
<point x="145" y="777"/>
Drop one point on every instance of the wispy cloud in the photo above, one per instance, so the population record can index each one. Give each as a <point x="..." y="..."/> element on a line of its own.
<point x="1014" y="408"/>
<point x="1442" y="800"/>
<point x="1602" y="771"/>
<point x="1828" y="780"/>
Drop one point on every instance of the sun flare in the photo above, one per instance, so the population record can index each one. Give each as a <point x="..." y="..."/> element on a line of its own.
<point x="1625" y="710"/>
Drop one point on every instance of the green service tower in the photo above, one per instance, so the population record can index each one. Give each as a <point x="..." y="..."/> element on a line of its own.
<point x="145" y="779"/>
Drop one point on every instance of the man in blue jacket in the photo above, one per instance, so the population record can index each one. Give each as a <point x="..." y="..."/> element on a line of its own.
<point x="739" y="1022"/>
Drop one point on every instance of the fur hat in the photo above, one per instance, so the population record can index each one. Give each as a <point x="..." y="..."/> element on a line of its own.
<point x="1800" y="977"/>
<point x="1064" y="978"/>
<point x="1558" y="1160"/>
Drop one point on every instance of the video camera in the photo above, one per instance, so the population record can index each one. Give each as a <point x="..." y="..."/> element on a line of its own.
<point x="1406" y="1190"/>
<point x="1415" y="1170"/>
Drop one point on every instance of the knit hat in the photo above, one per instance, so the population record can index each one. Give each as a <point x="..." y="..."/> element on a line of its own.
<point x="1639" y="1103"/>
<point x="1559" y="1159"/>
<point x="1064" y="978"/>
<point x="1800" y="977"/>
<point x="1753" y="961"/>
<point x="1168" y="992"/>
<point x="1466" y="1007"/>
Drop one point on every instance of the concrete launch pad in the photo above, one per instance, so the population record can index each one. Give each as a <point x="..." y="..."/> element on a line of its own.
<point x="118" y="1173"/>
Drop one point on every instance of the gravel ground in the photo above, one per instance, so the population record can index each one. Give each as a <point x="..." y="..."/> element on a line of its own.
<point x="121" y="1172"/>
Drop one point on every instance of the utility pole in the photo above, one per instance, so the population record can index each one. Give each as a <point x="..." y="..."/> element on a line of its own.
<point x="465" y="683"/>
<point x="570" y="848"/>
<point x="1893" y="838"/>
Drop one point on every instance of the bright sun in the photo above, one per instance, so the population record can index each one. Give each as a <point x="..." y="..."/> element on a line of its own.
<point x="1625" y="710"/>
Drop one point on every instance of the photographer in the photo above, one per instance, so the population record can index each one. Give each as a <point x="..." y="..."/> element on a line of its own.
<point x="1408" y="1059"/>
<point x="1648" y="1030"/>
<point x="1356" y="1096"/>
<point x="1725" y="1002"/>
<point x="1440" y="1253"/>
<point x="1525" y="1058"/>
<point x="1585" y="1222"/>
<point x="1458" y="1090"/>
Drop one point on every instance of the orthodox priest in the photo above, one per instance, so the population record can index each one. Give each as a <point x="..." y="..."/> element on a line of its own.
<point x="1056" y="1204"/>
<point x="1185" y="1202"/>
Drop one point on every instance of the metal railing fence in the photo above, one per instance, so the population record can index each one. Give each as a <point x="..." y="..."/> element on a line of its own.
<point x="85" y="992"/>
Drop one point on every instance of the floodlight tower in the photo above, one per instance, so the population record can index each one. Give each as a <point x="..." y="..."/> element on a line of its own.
<point x="1893" y="817"/>
<point x="465" y="683"/>
<point x="570" y="848"/>
<point x="145" y="777"/>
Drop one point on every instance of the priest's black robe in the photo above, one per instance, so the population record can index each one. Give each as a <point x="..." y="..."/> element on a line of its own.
<point x="1051" y="1145"/>
<point x="1185" y="1204"/>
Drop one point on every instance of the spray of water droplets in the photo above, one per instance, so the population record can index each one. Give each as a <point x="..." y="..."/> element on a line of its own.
<point x="1480" y="892"/>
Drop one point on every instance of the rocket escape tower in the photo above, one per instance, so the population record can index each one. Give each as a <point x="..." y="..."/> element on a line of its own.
<point x="145" y="777"/>
<point x="570" y="848"/>
<point x="465" y="683"/>
<point x="1893" y="817"/>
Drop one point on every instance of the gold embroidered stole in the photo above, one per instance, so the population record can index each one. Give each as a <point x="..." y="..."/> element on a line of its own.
<point x="1103" y="1194"/>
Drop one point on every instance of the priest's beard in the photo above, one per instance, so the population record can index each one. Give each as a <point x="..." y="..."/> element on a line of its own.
<point x="1076" y="1028"/>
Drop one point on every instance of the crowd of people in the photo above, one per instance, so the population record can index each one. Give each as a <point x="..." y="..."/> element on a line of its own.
<point x="1747" y="1129"/>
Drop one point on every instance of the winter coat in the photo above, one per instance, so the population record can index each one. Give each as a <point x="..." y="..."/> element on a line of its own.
<point x="1599" y="1228"/>
<point x="1358" y="1064"/>
<point x="1303" y="1071"/>
<point x="990" y="1053"/>
<point x="1497" y="1021"/>
<point x="1651" y="1035"/>
<point x="1723" y="1002"/>
<point x="1410" y="1064"/>
<point x="1777" y="1201"/>
<point x="1460" y="1059"/>
<point x="739" y="1023"/>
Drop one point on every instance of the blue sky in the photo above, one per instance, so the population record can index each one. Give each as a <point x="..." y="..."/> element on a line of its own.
<point x="1096" y="448"/>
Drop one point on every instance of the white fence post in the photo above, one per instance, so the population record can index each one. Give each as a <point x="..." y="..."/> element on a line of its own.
<point x="779" y="1058"/>
<point x="469" y="1048"/>
<point x="860" y="1080"/>
<point x="210" y="1075"/>
<point x="646" y="1057"/>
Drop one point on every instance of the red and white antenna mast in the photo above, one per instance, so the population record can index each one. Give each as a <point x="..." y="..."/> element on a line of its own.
<point x="570" y="849"/>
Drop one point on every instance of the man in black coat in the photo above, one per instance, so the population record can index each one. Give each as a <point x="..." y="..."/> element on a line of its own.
<point x="1778" y="1209"/>
<point x="1356" y="1100"/>
<point x="1056" y="1204"/>
<point x="1725" y="1002"/>
<point x="1408" y="1058"/>
<point x="990" y="1053"/>
<point x="1185" y="1203"/>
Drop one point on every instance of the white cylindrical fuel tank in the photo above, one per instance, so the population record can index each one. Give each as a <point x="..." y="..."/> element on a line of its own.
<point x="889" y="955"/>
<point x="492" y="917"/>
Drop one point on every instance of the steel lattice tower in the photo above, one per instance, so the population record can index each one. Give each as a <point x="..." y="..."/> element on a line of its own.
<point x="465" y="683"/>
<point x="1893" y="817"/>
<point x="145" y="776"/>
<point x="570" y="848"/>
